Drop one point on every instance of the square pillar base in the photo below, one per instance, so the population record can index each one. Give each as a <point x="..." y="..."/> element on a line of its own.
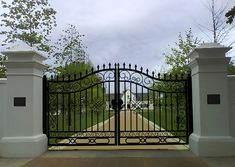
<point x="23" y="147"/>
<point x="212" y="146"/>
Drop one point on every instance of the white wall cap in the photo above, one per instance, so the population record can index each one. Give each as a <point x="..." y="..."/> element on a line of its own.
<point x="3" y="80"/>
<point x="211" y="45"/>
<point x="24" y="51"/>
<point x="209" y="50"/>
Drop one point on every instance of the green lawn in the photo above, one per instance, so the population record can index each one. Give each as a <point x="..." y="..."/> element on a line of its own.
<point x="166" y="118"/>
<point x="79" y="121"/>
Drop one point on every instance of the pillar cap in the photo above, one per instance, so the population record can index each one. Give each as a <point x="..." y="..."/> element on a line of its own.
<point x="209" y="50"/>
<point x="23" y="52"/>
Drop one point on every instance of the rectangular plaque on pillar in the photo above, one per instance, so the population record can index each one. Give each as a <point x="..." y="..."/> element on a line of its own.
<point x="213" y="99"/>
<point x="19" y="101"/>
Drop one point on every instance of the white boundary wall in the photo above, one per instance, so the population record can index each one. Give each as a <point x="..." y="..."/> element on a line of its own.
<point x="3" y="101"/>
<point x="231" y="87"/>
<point x="214" y="124"/>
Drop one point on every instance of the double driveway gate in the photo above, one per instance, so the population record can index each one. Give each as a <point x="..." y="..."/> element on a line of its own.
<point x="117" y="105"/>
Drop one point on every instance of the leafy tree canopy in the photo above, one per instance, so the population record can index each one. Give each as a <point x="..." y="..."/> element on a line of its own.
<point x="30" y="21"/>
<point x="230" y="15"/>
<point x="2" y="67"/>
<point x="177" y="56"/>
<point x="68" y="48"/>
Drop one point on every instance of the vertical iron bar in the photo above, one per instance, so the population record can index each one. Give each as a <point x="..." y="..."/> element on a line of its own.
<point x="177" y="110"/>
<point x="57" y="112"/>
<point x="190" y="105"/>
<point x="148" y="109"/>
<point x="118" y="97"/>
<point x="80" y="110"/>
<point x="48" y="111"/>
<point x="62" y="111"/>
<point x="159" y="107"/>
<point x="92" y="111"/>
<point x="142" y="94"/>
<point x="103" y="102"/>
<point x="97" y="112"/>
<point x="109" y="103"/>
<point x="69" y="111"/>
<point x="45" y="105"/>
<point x="136" y="114"/>
<point x="130" y="107"/>
<point x="172" y="120"/>
<point x="154" y="110"/>
<point x="86" y="109"/>
<point x="74" y="111"/>
<point x="116" y="102"/>
<point x="126" y="104"/>
<point x="165" y="107"/>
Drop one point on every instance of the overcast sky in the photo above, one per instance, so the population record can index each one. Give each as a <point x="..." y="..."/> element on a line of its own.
<point x="131" y="31"/>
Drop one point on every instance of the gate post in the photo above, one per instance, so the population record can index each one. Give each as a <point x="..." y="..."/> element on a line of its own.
<point x="211" y="127"/>
<point x="23" y="136"/>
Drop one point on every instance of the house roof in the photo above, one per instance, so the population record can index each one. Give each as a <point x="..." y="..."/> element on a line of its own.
<point x="139" y="96"/>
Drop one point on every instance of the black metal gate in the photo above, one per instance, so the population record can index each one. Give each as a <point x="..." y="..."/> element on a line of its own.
<point x="117" y="105"/>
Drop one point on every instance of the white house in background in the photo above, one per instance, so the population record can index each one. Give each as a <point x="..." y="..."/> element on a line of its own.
<point x="136" y="100"/>
<point x="129" y="99"/>
<point x="133" y="100"/>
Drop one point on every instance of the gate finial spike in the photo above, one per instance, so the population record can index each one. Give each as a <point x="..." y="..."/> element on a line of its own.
<point x="103" y="66"/>
<point x="98" y="67"/>
<point x="158" y="75"/>
<point x="129" y="66"/>
<point x="135" y="67"/>
<point x="147" y="71"/>
<point x="124" y="65"/>
<point x="153" y="73"/>
<point x="109" y="65"/>
<point x="141" y="69"/>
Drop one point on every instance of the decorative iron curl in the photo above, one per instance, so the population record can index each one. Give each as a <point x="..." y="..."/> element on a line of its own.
<point x="148" y="82"/>
<point x="108" y="75"/>
<point x="86" y="82"/>
<point x="123" y="76"/>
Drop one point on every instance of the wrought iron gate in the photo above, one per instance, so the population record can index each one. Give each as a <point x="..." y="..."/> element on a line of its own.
<point x="117" y="105"/>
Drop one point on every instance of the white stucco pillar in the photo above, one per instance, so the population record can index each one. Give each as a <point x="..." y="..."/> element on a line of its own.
<point x="3" y="101"/>
<point x="22" y="136"/>
<point x="211" y="135"/>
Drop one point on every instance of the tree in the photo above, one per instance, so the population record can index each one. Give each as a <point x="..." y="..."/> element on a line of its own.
<point x="68" y="48"/>
<point x="28" y="21"/>
<point x="177" y="57"/>
<point x="2" y="67"/>
<point x="230" y="15"/>
<point x="87" y="88"/>
<point x="216" y="28"/>
<point x="231" y="68"/>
